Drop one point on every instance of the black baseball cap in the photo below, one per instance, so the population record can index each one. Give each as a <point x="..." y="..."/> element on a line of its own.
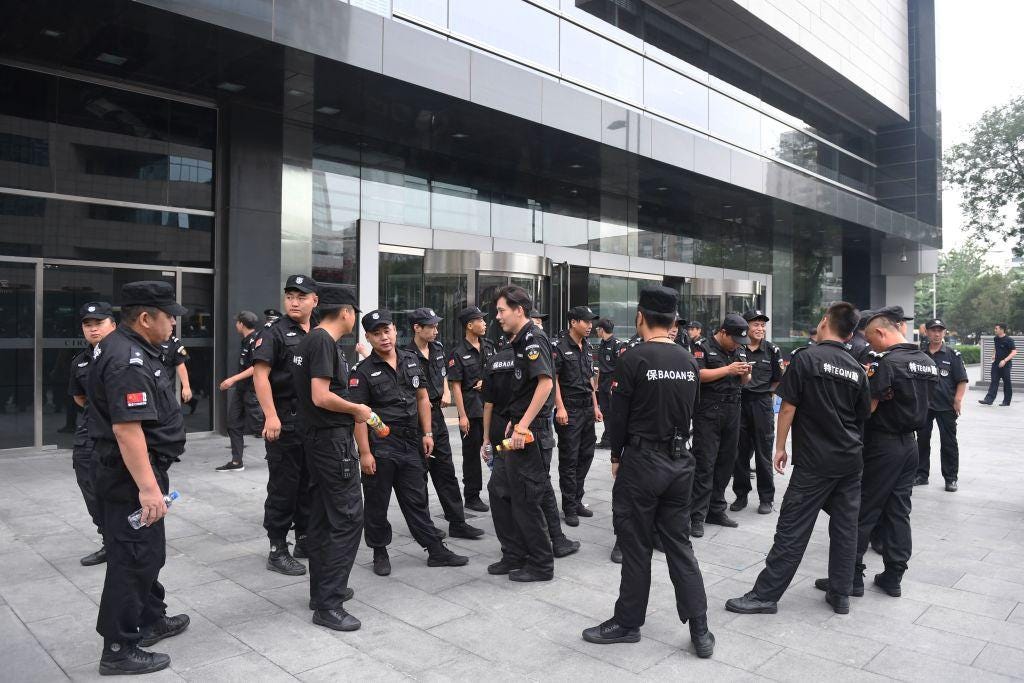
<point x="155" y="293"/>
<point x="333" y="297"/>
<point x="424" y="316"/>
<point x="695" y="325"/>
<point x="658" y="299"/>
<point x="96" y="310"/>
<point x="469" y="314"/>
<point x="582" y="313"/>
<point x="302" y="283"/>
<point x="271" y="314"/>
<point x="535" y="313"/>
<point x="755" y="314"/>
<point x="893" y="313"/>
<point x="375" y="319"/>
<point x="681" y="321"/>
<point x="736" y="327"/>
<point x="934" y="323"/>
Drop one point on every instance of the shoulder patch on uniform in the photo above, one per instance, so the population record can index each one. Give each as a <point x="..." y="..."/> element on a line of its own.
<point x="290" y="334"/>
<point x="83" y="364"/>
<point x="136" y="399"/>
<point x="97" y="351"/>
<point x="259" y="342"/>
<point x="353" y="381"/>
<point x="451" y="363"/>
<point x="375" y="374"/>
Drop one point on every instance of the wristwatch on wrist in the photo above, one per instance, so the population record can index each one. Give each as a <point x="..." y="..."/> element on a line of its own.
<point x="430" y="434"/>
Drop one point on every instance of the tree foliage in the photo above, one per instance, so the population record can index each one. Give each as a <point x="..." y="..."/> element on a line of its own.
<point x="989" y="170"/>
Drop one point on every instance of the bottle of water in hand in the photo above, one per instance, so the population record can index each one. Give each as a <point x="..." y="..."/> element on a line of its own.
<point x="135" y="519"/>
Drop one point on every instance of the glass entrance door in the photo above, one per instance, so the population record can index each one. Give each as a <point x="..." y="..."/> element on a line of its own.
<point x="17" y="357"/>
<point x="488" y="284"/>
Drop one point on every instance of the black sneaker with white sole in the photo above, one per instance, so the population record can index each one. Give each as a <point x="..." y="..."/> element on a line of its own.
<point x="231" y="466"/>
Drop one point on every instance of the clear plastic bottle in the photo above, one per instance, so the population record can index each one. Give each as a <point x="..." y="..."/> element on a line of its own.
<point x="135" y="519"/>
<point x="377" y="425"/>
<point x="488" y="456"/>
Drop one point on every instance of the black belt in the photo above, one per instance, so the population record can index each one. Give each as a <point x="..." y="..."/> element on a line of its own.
<point x="878" y="434"/>
<point x="663" y="447"/>
<point x="578" y="402"/>
<point x="344" y="430"/>
<point x="709" y="397"/>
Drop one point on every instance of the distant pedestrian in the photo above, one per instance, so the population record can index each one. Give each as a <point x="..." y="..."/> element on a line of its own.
<point x="1005" y="350"/>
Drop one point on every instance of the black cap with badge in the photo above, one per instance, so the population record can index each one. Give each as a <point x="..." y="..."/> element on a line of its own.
<point x="893" y="313"/>
<point x="332" y="297"/>
<point x="536" y="314"/>
<point x="659" y="300"/>
<point x="375" y="319"/>
<point x="424" y="316"/>
<point x="301" y="283"/>
<point x="469" y="314"/>
<point x="154" y="293"/>
<point x="96" y="310"/>
<point x="582" y="313"/>
<point x="935" y="323"/>
<point x="736" y="327"/>
<point x="695" y="325"/>
<point x="755" y="314"/>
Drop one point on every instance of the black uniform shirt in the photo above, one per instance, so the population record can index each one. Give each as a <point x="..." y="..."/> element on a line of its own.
<point x="318" y="355"/>
<point x="830" y="391"/>
<point x="951" y="373"/>
<point x="1003" y="346"/>
<point x="275" y="346"/>
<point x="245" y="359"/>
<point x="608" y="353"/>
<point x="859" y="348"/>
<point x="174" y="353"/>
<point x="533" y="359"/>
<point x="77" y="384"/>
<point x="574" y="366"/>
<point x="435" y="369"/>
<point x="391" y="393"/>
<point x="499" y="370"/>
<point x="655" y="389"/>
<point x="466" y="365"/>
<point x="767" y="368"/>
<point x="710" y="356"/>
<point x="634" y="341"/>
<point x="129" y="383"/>
<point x="903" y="379"/>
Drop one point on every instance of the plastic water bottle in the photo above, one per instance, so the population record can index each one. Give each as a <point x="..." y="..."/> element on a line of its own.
<point x="489" y="456"/>
<point x="377" y="425"/>
<point x="135" y="519"/>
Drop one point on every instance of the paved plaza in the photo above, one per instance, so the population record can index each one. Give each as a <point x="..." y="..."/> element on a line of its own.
<point x="961" y="616"/>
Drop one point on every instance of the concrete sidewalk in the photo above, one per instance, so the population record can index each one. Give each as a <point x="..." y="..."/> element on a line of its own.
<point x="961" y="617"/>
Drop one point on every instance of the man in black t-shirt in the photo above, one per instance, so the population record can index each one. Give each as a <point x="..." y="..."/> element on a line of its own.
<point x="325" y="418"/>
<point x="242" y="404"/>
<point x="656" y="387"/>
<point x="947" y="401"/>
<point x="1002" y="363"/>
<point x="825" y="400"/>
<point x="465" y="372"/>
<point x="608" y="353"/>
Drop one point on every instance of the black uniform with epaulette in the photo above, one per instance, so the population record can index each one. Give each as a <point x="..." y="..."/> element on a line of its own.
<point x="440" y="466"/>
<point x="392" y="393"/>
<point x="129" y="382"/>
<point x="83" y="455"/>
<point x="574" y="370"/>
<point x="520" y="479"/>
<point x="952" y="373"/>
<point x="608" y="353"/>
<point x="244" y="413"/>
<point x="902" y="380"/>
<point x="466" y="367"/>
<point x="287" y="502"/>
<point x="336" y="503"/>
<point x="716" y="426"/>
<point x="656" y="388"/>
<point x="829" y="391"/>
<point x="757" y="422"/>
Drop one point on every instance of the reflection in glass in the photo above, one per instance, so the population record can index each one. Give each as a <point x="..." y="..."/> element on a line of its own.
<point x="671" y="94"/>
<point x="401" y="290"/>
<point x="591" y="59"/>
<point x="461" y="209"/>
<point x="197" y="336"/>
<point x="512" y="26"/>
<point x="615" y="298"/>
<point x="392" y="197"/>
<point x="17" y="327"/>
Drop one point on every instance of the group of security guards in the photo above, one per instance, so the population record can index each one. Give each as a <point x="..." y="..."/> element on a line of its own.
<point x="683" y="413"/>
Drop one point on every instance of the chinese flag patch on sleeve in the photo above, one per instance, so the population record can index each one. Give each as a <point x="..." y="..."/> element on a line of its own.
<point x="353" y="382"/>
<point x="136" y="399"/>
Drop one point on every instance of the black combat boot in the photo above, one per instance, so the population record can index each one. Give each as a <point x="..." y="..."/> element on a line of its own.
<point x="703" y="640"/>
<point x="280" y="560"/>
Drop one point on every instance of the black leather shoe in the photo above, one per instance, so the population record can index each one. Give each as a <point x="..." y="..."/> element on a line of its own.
<point x="525" y="575"/>
<point x="345" y="597"/>
<point x="571" y="518"/>
<point x="502" y="567"/>
<point x="381" y="562"/>
<point x="98" y="557"/>
<point x="984" y="402"/>
<point x="440" y="556"/>
<point x="476" y="505"/>
<point x="856" y="591"/>
<point x="721" y="520"/>
<point x="739" y="503"/>
<point x="165" y="627"/>
<point x="337" y="619"/>
<point x="583" y="511"/>
<point x="280" y="560"/>
<point x="1003" y="405"/>
<point x="616" y="555"/>
<point x="696" y="529"/>
<point x="889" y="583"/>
<point x="751" y="604"/>
<point x="441" y="533"/>
<point x="463" y="530"/>
<point x="951" y="486"/>
<point x="765" y="507"/>
<point x="124" y="660"/>
<point x="611" y="632"/>
<point x="563" y="547"/>
<point x="300" y="548"/>
<point x="920" y="481"/>
<point x="840" y="603"/>
<point x="703" y="640"/>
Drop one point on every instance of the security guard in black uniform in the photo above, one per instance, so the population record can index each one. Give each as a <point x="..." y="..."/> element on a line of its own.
<point x="519" y="480"/>
<point x="271" y="315"/>
<point x="695" y="331"/>
<point x="434" y="362"/>
<point x="947" y="401"/>
<point x="902" y="379"/>
<point x="325" y="420"/>
<point x="723" y="372"/>
<point x="391" y="381"/>
<point x="826" y="401"/>
<point x="858" y="346"/>
<point x="757" y="416"/>
<point x="287" y="476"/>
<point x="176" y="358"/>
<point x="244" y="415"/>
<point x="137" y="429"/>
<point x="608" y="353"/>
<point x="576" y="411"/>
<point x="656" y="387"/>
<point x="97" y="322"/>
<point x="465" y="372"/>
<point x="680" y="335"/>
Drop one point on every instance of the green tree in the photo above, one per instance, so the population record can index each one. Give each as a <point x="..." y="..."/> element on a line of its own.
<point x="958" y="269"/>
<point x="989" y="170"/>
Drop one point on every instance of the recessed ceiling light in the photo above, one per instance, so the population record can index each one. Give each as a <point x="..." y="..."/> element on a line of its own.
<point x="460" y="136"/>
<point x="574" y="192"/>
<point x="661" y="188"/>
<point x="52" y="33"/>
<point x="231" y="87"/>
<point x="295" y="93"/>
<point x="575" y="165"/>
<point x="107" y="58"/>
<point x="330" y="111"/>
